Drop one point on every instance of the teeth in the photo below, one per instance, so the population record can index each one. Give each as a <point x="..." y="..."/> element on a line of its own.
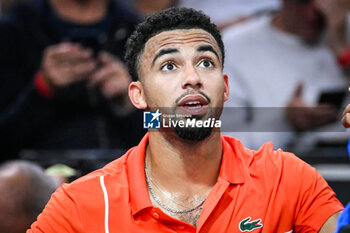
<point x="194" y="107"/>
<point x="193" y="103"/>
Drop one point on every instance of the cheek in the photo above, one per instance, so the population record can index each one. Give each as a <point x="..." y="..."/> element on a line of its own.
<point x="221" y="93"/>
<point x="158" y="94"/>
<point x="214" y="79"/>
<point x="217" y="88"/>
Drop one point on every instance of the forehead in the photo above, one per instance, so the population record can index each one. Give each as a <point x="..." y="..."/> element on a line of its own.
<point x="178" y="38"/>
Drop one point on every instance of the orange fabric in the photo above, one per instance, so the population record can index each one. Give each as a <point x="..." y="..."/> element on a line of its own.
<point x="273" y="186"/>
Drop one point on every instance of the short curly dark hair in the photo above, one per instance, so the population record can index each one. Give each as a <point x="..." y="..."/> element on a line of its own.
<point x="169" y="19"/>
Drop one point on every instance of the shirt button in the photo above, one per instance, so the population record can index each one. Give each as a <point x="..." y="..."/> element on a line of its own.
<point x="181" y="227"/>
<point x="155" y="215"/>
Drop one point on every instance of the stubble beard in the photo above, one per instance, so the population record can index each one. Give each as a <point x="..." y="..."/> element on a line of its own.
<point x="196" y="134"/>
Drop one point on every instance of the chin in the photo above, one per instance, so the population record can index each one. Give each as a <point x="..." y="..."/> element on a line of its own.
<point x="193" y="134"/>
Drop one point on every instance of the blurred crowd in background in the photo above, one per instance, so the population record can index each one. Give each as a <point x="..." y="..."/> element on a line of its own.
<point x="64" y="103"/>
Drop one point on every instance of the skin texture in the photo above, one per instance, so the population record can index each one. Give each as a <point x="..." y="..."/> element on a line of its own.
<point x="305" y="117"/>
<point x="330" y="224"/>
<point x="68" y="63"/>
<point x="346" y="116"/>
<point x="177" y="165"/>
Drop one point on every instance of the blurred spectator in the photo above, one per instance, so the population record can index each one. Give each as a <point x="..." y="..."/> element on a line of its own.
<point x="230" y="12"/>
<point x="7" y="5"/>
<point x="61" y="173"/>
<point x="287" y="60"/>
<point x="63" y="84"/>
<point x="24" y="191"/>
<point x="147" y="7"/>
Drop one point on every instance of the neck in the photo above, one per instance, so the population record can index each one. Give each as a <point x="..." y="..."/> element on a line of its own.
<point x="184" y="167"/>
<point x="80" y="11"/>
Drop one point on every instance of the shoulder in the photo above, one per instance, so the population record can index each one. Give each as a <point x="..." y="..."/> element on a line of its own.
<point x="81" y="204"/>
<point x="113" y="176"/>
<point x="114" y="173"/>
<point x="287" y="166"/>
<point x="86" y="194"/>
<point x="293" y="186"/>
<point x="267" y="162"/>
<point x="92" y="181"/>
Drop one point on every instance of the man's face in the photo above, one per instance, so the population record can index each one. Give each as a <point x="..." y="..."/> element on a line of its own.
<point x="304" y="19"/>
<point x="181" y="70"/>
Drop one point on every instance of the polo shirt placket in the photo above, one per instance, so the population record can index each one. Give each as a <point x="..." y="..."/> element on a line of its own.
<point x="230" y="174"/>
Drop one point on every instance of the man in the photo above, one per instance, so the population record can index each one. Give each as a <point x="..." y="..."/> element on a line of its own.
<point x="279" y="68"/>
<point x="63" y="84"/>
<point x="189" y="179"/>
<point x="226" y="13"/>
<point x="24" y="191"/>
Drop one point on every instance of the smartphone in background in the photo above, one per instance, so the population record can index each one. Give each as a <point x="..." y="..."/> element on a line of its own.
<point x="87" y="41"/>
<point x="335" y="98"/>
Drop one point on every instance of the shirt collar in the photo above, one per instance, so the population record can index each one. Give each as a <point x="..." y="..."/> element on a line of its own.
<point x="138" y="191"/>
<point x="231" y="170"/>
<point x="231" y="163"/>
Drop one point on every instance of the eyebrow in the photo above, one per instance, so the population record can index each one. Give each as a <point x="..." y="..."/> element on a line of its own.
<point x="209" y="48"/>
<point x="163" y="52"/>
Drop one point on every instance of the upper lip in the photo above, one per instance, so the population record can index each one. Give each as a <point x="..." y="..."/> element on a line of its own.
<point x="193" y="98"/>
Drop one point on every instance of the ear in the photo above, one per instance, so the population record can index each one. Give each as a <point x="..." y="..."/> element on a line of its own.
<point x="136" y="95"/>
<point x="227" y="88"/>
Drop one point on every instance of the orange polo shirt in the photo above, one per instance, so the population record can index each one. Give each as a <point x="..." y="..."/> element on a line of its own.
<point x="256" y="191"/>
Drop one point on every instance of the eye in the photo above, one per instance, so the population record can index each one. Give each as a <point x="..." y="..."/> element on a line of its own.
<point x="169" y="66"/>
<point x="206" y="63"/>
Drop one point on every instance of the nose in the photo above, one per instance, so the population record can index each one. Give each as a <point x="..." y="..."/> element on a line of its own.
<point x="191" y="78"/>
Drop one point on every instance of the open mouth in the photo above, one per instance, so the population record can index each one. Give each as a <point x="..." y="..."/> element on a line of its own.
<point x="193" y="104"/>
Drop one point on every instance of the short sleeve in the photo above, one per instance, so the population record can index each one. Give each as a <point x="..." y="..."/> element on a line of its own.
<point x="60" y="215"/>
<point x="316" y="200"/>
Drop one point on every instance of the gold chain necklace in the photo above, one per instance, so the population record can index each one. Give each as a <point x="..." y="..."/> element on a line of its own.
<point x="161" y="204"/>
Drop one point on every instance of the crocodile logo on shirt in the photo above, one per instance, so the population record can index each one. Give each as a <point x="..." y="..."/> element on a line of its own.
<point x="245" y="225"/>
